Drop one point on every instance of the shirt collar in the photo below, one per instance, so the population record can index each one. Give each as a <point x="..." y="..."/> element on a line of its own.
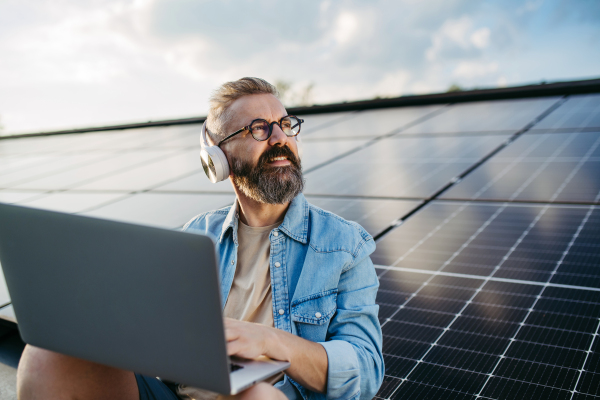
<point x="295" y="223"/>
<point x="231" y="221"/>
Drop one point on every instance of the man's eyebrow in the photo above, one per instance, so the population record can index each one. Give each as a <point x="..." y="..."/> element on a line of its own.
<point x="269" y="120"/>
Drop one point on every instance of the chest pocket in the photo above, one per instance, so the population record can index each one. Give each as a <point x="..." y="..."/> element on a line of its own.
<point x="313" y="313"/>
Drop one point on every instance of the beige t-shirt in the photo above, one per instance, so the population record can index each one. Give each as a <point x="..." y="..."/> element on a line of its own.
<point x="250" y="297"/>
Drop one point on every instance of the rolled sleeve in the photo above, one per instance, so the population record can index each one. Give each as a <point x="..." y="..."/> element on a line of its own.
<point x="343" y="370"/>
<point x="354" y="339"/>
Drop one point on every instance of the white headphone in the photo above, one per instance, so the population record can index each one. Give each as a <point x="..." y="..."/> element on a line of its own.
<point x="213" y="159"/>
<point x="215" y="162"/>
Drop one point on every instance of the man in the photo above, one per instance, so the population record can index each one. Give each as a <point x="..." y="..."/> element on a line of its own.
<point x="297" y="281"/>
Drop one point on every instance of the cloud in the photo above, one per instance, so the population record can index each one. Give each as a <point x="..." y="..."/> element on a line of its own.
<point x="481" y="38"/>
<point x="347" y="26"/>
<point x="96" y="61"/>
<point x="469" y="70"/>
<point x="457" y="38"/>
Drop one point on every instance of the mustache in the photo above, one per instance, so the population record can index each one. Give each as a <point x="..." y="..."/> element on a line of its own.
<point x="278" y="151"/>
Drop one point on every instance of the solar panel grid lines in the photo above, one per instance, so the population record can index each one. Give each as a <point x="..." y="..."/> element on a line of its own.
<point x="486" y="298"/>
<point x="580" y="111"/>
<point x="377" y="123"/>
<point x="374" y="140"/>
<point x="386" y="268"/>
<point x="374" y="215"/>
<point x="582" y="371"/>
<point x="73" y="202"/>
<point x="430" y="234"/>
<point x="566" y="175"/>
<point x="57" y="165"/>
<point x="565" y="252"/>
<point x="540" y="169"/>
<point x="508" y="167"/>
<point x="456" y="179"/>
<point x="422" y="166"/>
<point x="545" y="114"/>
<point x="473" y="359"/>
<point x="408" y="298"/>
<point x="325" y="121"/>
<point x="468" y="302"/>
<point x="497" y="116"/>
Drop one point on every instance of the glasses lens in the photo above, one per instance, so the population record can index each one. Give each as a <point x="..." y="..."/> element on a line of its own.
<point x="290" y="126"/>
<point x="260" y="130"/>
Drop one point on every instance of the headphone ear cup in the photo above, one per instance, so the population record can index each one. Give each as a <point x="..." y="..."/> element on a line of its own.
<point x="214" y="161"/>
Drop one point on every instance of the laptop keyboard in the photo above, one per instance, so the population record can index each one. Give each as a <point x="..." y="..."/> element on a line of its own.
<point x="235" y="367"/>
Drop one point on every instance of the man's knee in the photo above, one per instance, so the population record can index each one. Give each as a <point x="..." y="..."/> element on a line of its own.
<point x="37" y="370"/>
<point x="46" y="374"/>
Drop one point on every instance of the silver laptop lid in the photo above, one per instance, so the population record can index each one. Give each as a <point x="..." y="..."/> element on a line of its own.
<point x="134" y="297"/>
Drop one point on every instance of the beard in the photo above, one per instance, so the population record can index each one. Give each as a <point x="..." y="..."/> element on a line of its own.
<point x="268" y="184"/>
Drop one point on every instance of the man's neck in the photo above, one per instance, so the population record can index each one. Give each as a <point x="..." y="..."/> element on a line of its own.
<point x="254" y="213"/>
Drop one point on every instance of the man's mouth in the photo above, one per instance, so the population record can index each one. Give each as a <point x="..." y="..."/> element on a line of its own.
<point x="282" y="160"/>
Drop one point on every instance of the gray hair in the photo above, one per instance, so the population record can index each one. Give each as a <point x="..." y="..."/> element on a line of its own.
<point x="219" y="115"/>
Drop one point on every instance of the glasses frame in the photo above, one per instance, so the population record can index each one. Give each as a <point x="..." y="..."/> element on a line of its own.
<point x="270" y="124"/>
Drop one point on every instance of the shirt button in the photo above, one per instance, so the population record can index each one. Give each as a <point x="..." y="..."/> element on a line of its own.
<point x="278" y="264"/>
<point x="232" y="262"/>
<point x="318" y="314"/>
<point x="281" y="311"/>
<point x="275" y="233"/>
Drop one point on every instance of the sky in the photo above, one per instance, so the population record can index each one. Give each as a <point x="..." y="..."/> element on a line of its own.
<point x="80" y="63"/>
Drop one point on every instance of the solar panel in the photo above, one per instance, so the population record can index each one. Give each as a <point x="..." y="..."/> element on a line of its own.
<point x="12" y="163"/>
<point x="581" y="111"/>
<point x="51" y="165"/>
<point x="7" y="313"/>
<point x="374" y="215"/>
<point x="483" y="301"/>
<point x="196" y="182"/>
<point x="97" y="168"/>
<point x="165" y="210"/>
<point x="538" y="167"/>
<point x="318" y="121"/>
<point x="71" y="202"/>
<point x="489" y="292"/>
<point x="372" y="123"/>
<point x="402" y="167"/>
<point x="314" y="154"/>
<point x="9" y="196"/>
<point x="485" y="116"/>
<point x="149" y="174"/>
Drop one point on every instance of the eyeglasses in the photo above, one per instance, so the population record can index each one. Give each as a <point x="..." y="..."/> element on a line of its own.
<point x="261" y="129"/>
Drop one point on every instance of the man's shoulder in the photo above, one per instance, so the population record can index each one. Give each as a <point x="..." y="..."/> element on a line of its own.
<point x="330" y="232"/>
<point x="208" y="222"/>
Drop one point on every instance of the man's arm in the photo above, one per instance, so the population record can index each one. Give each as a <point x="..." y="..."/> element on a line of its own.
<point x="354" y="337"/>
<point x="308" y="359"/>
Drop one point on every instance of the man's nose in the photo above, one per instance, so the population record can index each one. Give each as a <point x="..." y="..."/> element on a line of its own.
<point x="277" y="136"/>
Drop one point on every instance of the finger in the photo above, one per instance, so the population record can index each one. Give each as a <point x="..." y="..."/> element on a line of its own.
<point x="234" y="348"/>
<point x="231" y="334"/>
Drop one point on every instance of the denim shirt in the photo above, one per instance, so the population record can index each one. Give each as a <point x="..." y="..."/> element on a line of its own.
<point x="323" y="285"/>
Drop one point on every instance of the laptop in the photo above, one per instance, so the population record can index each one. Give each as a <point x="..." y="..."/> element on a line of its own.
<point x="134" y="297"/>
